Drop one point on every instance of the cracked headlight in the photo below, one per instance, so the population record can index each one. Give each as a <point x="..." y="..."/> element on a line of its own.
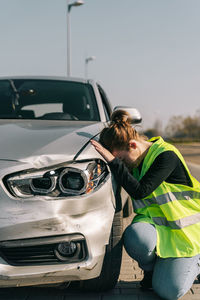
<point x="77" y="178"/>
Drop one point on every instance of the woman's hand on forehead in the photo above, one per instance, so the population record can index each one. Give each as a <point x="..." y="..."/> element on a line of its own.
<point x="107" y="155"/>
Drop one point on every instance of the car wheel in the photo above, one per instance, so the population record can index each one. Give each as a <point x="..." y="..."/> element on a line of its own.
<point x="112" y="260"/>
<point x="198" y="277"/>
<point x="128" y="208"/>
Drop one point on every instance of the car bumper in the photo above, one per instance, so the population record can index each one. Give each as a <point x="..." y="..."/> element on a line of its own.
<point x="12" y="276"/>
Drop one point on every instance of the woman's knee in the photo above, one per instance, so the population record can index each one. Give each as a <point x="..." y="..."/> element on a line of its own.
<point x="166" y="291"/>
<point x="173" y="277"/>
<point x="140" y="241"/>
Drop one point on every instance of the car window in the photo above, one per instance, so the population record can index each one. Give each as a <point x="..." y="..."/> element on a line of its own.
<point x="105" y="102"/>
<point x="41" y="109"/>
<point x="47" y="99"/>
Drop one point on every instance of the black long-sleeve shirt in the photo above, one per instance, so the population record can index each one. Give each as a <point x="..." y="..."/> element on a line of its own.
<point x="166" y="167"/>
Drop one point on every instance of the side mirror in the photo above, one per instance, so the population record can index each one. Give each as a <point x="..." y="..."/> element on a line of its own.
<point x="133" y="112"/>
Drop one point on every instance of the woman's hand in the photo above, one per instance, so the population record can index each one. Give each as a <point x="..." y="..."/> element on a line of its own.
<point x="107" y="155"/>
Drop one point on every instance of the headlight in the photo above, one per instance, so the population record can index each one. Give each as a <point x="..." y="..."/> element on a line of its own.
<point x="64" y="180"/>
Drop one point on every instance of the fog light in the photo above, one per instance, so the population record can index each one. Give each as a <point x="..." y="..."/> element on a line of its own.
<point x="66" y="248"/>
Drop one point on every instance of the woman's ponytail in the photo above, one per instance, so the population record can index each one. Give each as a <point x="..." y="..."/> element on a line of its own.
<point x="121" y="117"/>
<point x="120" y="131"/>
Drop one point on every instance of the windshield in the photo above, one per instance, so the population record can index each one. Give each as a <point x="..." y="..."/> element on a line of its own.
<point x="47" y="99"/>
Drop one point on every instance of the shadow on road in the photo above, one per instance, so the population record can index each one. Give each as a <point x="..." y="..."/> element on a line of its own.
<point x="123" y="290"/>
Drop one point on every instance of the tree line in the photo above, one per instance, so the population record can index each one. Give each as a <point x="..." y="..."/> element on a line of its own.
<point x="179" y="128"/>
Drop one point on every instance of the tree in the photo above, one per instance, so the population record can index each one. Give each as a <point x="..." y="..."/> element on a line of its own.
<point x="156" y="130"/>
<point x="175" y="127"/>
<point x="184" y="127"/>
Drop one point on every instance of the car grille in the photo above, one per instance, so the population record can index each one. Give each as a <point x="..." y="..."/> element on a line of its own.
<point x="27" y="252"/>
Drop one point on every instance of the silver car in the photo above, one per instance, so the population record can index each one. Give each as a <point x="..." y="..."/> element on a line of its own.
<point x="61" y="212"/>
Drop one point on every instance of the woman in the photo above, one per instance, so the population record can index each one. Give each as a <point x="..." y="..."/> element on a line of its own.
<point x="164" y="235"/>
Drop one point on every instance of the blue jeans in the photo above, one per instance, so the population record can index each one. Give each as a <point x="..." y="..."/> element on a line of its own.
<point x="172" y="277"/>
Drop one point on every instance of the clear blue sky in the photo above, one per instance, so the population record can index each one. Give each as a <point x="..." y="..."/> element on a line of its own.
<point x="147" y="51"/>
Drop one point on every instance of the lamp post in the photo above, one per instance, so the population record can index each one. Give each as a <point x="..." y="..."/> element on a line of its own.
<point x="69" y="6"/>
<point x="87" y="60"/>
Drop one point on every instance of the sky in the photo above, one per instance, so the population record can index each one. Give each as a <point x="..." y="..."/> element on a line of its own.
<point x="147" y="51"/>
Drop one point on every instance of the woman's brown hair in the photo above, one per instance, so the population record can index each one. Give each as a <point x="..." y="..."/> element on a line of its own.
<point x="120" y="131"/>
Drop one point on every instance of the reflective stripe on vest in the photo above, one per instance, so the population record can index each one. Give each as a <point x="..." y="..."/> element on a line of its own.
<point x="165" y="198"/>
<point x="186" y="221"/>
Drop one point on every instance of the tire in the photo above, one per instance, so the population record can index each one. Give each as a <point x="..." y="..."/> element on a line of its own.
<point x="112" y="260"/>
<point x="128" y="208"/>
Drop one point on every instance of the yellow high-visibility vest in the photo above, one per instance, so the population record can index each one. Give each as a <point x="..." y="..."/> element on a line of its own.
<point x="174" y="209"/>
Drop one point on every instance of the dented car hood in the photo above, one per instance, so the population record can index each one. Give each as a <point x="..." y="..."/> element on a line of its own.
<point x="21" y="140"/>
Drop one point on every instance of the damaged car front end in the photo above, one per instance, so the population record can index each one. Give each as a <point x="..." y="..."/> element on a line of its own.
<point x="61" y="234"/>
<point x="55" y="222"/>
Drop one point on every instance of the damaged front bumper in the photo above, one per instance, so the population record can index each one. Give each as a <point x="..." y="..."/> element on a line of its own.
<point x="19" y="267"/>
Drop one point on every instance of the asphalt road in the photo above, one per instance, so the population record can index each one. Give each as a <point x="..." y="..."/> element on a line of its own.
<point x="128" y="286"/>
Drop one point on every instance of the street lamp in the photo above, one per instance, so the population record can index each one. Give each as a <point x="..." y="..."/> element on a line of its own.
<point x="69" y="6"/>
<point x="87" y="60"/>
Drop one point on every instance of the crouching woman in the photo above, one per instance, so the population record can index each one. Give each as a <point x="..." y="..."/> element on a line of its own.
<point x="164" y="236"/>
